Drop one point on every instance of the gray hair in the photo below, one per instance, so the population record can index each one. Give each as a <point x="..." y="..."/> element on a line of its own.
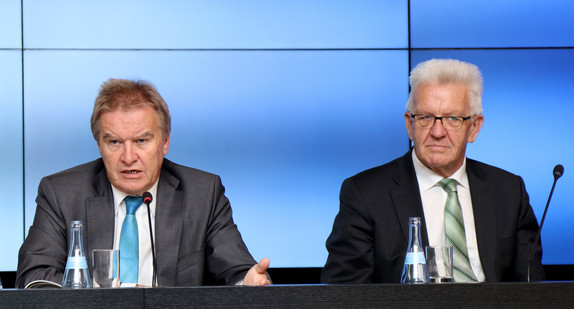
<point x="448" y="71"/>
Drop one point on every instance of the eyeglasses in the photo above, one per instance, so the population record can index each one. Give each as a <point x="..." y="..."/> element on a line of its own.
<point x="449" y="122"/>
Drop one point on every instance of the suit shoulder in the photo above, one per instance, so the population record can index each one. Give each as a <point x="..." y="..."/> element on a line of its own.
<point x="78" y="180"/>
<point x="188" y="173"/>
<point x="86" y="170"/>
<point x="378" y="174"/>
<point x="487" y="171"/>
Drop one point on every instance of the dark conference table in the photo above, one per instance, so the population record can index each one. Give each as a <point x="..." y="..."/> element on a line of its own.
<point x="455" y="295"/>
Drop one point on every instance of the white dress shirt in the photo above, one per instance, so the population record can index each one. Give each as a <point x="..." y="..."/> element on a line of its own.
<point x="433" y="197"/>
<point x="145" y="256"/>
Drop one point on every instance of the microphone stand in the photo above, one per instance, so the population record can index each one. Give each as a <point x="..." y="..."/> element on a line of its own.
<point x="558" y="170"/>
<point x="154" y="264"/>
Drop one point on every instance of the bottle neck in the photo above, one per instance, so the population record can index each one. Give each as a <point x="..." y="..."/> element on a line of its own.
<point x="415" y="243"/>
<point x="76" y="243"/>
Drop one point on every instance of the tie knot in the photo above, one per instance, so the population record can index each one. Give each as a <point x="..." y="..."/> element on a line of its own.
<point x="132" y="204"/>
<point x="448" y="184"/>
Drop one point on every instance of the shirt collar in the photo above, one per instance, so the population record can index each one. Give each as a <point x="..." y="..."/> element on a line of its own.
<point x="428" y="179"/>
<point x="119" y="197"/>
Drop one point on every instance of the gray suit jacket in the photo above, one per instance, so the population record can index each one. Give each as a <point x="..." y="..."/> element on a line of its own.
<point x="370" y="235"/>
<point x="196" y="241"/>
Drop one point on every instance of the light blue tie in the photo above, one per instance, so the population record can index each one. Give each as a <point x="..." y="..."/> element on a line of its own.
<point x="129" y="243"/>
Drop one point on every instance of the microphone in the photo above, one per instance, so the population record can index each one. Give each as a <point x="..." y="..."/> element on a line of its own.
<point x="558" y="171"/>
<point x="147" y="199"/>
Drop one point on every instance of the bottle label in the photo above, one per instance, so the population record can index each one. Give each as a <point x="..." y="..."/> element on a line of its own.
<point x="76" y="262"/>
<point x="413" y="258"/>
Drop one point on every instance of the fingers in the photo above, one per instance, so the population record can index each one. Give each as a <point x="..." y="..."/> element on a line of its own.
<point x="257" y="274"/>
<point x="262" y="266"/>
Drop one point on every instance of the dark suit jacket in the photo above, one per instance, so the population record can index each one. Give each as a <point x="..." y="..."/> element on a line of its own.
<point x="369" y="238"/>
<point x="196" y="240"/>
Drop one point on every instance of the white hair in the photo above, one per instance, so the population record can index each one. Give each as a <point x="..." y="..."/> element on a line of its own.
<point x="448" y="71"/>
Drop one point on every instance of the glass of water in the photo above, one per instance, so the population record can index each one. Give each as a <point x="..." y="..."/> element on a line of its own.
<point x="439" y="263"/>
<point x="106" y="268"/>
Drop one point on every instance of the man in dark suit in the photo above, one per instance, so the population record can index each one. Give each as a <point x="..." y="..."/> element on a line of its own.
<point x="196" y="241"/>
<point x="369" y="239"/>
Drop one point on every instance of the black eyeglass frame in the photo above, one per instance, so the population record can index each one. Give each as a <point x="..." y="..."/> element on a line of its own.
<point x="463" y="119"/>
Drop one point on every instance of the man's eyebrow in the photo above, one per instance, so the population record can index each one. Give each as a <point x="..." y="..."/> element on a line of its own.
<point x="109" y="136"/>
<point x="147" y="134"/>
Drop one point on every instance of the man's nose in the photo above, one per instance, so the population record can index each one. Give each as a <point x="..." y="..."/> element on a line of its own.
<point x="129" y="154"/>
<point x="438" y="129"/>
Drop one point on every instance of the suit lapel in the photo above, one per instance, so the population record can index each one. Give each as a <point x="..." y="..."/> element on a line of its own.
<point x="484" y="209"/>
<point x="407" y="198"/>
<point x="407" y="203"/>
<point x="100" y="216"/>
<point x="168" y="226"/>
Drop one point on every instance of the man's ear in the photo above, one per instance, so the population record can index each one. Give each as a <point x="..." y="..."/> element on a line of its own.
<point x="409" y="124"/>
<point x="166" y="146"/>
<point x="475" y="126"/>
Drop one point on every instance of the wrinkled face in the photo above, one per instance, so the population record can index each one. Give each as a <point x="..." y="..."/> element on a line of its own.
<point x="132" y="147"/>
<point x="442" y="150"/>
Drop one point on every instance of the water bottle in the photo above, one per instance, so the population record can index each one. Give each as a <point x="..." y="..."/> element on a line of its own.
<point x="77" y="274"/>
<point x="415" y="268"/>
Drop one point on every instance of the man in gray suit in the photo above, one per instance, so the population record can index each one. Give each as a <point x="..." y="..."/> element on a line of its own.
<point x="196" y="241"/>
<point x="495" y="225"/>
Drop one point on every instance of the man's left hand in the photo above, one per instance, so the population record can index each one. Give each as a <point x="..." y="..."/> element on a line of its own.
<point x="257" y="275"/>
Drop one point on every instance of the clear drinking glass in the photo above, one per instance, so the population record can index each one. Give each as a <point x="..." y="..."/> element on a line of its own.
<point x="439" y="263"/>
<point x="106" y="268"/>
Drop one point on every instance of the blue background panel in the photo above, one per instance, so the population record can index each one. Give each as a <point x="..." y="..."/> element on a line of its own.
<point x="10" y="24"/>
<point x="282" y="129"/>
<point x="11" y="217"/>
<point x="283" y="99"/>
<point x="215" y="24"/>
<point x="491" y="23"/>
<point x="527" y="100"/>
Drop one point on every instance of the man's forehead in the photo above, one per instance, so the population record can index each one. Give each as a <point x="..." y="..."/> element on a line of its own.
<point x="118" y="127"/>
<point x="452" y="92"/>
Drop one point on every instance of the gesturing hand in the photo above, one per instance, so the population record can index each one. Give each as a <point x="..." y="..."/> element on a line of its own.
<point x="257" y="274"/>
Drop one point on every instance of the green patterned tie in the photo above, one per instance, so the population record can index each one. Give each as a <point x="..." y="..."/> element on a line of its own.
<point x="455" y="236"/>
